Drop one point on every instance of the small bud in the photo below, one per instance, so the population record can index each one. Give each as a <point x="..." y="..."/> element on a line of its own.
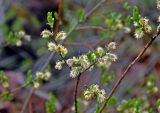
<point x="61" y="36"/>
<point x="74" y="72"/>
<point x="149" y="83"/>
<point x="119" y="25"/>
<point x="84" y="61"/>
<point x="46" y="34"/>
<point x="101" y="96"/>
<point x="4" y="79"/>
<point x="19" y="43"/>
<point x="52" y="46"/>
<point x="155" y="89"/>
<point x="58" y="65"/>
<point x="47" y="76"/>
<point x="100" y="51"/>
<point x="36" y="84"/>
<point x="94" y="91"/>
<point x="112" y="45"/>
<point x="70" y="62"/>
<point x="112" y="56"/>
<point x="143" y="21"/>
<point x="88" y="94"/>
<point x="39" y="75"/>
<point x="138" y="33"/>
<point x="62" y="50"/>
<point x="21" y="34"/>
<point x="135" y="24"/>
<point x="5" y="84"/>
<point x="127" y="30"/>
<point x="147" y="28"/>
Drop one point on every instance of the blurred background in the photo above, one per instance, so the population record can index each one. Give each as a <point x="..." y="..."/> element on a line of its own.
<point x="18" y="55"/>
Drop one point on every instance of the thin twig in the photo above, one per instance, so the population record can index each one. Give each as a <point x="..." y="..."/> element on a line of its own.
<point x="95" y="8"/>
<point x="57" y="28"/>
<point x="32" y="90"/>
<point x="51" y="55"/>
<point x="30" y="106"/>
<point x="91" y="27"/>
<point x="75" y="94"/>
<point x="127" y="70"/>
<point x="78" y="79"/>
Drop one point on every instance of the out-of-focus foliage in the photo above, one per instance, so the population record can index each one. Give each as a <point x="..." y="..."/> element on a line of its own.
<point x="50" y="104"/>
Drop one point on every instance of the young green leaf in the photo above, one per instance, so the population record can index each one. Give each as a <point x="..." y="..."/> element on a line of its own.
<point x="4" y="79"/>
<point x="136" y="15"/>
<point x="90" y="56"/>
<point x="126" y="6"/>
<point x="97" y="108"/>
<point x="7" y="96"/>
<point x="50" y="104"/>
<point x="50" y="19"/>
<point x="112" y="101"/>
<point x="29" y="78"/>
<point x="128" y="20"/>
<point x="81" y="15"/>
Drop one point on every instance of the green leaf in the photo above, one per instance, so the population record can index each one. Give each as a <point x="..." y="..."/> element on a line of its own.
<point x="128" y="19"/>
<point x="112" y="101"/>
<point x="10" y="14"/>
<point x="81" y="15"/>
<point x="136" y="15"/>
<point x="126" y="6"/>
<point x="50" y="104"/>
<point x="17" y="24"/>
<point x="7" y="96"/>
<point x="90" y="56"/>
<point x="11" y="38"/>
<point x="4" y="79"/>
<point x="29" y="78"/>
<point x="96" y="20"/>
<point x="26" y="63"/>
<point x="50" y="19"/>
<point x="107" y="77"/>
<point x="103" y="34"/>
<point x="97" y="108"/>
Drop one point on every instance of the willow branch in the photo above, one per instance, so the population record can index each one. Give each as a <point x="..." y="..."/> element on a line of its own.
<point x="123" y="75"/>
<point x="59" y="18"/>
<point x="91" y="27"/>
<point x="95" y="8"/>
<point x="78" y="79"/>
<point x="51" y="55"/>
<point x="32" y="89"/>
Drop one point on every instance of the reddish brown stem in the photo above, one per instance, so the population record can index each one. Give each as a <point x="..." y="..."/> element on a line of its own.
<point x="91" y="27"/>
<point x="60" y="3"/>
<point x="123" y="75"/>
